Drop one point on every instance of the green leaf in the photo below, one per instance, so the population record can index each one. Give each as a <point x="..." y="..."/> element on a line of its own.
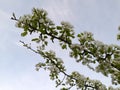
<point x="24" y="34"/>
<point x="59" y="27"/>
<point x="118" y="37"/>
<point x="119" y="28"/>
<point x="55" y="33"/>
<point x="116" y="55"/>
<point x="46" y="43"/>
<point x="64" y="46"/>
<point x="26" y="28"/>
<point x="43" y="31"/>
<point x="35" y="39"/>
<point x="45" y="37"/>
<point x="78" y="35"/>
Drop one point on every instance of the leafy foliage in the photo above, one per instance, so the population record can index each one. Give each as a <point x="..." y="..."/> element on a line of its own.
<point x="88" y="51"/>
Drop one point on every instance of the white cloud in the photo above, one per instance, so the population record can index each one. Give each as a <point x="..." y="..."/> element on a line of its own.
<point x="25" y="81"/>
<point x="58" y="10"/>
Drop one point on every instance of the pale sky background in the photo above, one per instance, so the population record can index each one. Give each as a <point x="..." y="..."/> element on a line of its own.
<point x="17" y="64"/>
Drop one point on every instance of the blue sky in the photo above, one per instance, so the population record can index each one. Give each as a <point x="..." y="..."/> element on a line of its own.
<point x="17" y="64"/>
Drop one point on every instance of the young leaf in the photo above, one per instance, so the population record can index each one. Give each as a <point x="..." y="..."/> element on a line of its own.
<point x="24" y="34"/>
<point x="59" y="27"/>
<point x="35" y="39"/>
<point x="64" y="46"/>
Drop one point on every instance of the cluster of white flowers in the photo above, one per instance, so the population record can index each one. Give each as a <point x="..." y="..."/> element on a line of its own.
<point x="66" y="24"/>
<point x="75" y="45"/>
<point x="86" y="35"/>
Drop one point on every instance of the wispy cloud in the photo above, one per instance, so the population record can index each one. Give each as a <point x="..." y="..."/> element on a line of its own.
<point x="85" y="15"/>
